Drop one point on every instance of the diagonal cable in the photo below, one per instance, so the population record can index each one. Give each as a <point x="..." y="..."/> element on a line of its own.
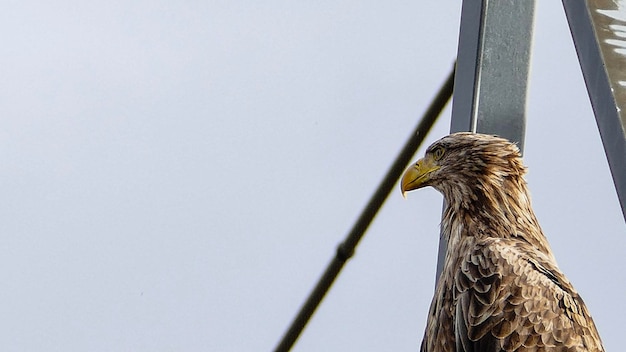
<point x="345" y="250"/>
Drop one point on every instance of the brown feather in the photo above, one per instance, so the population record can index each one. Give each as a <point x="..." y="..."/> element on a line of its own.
<point x="500" y="288"/>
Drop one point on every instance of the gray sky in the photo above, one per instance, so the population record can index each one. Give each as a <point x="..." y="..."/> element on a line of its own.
<point x="177" y="175"/>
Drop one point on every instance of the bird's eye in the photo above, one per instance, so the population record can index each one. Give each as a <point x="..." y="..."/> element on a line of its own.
<point x="438" y="153"/>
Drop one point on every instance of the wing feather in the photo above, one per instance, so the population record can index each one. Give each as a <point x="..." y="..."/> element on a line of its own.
<point x="511" y="297"/>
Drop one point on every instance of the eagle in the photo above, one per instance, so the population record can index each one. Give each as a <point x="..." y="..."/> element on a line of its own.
<point x="500" y="288"/>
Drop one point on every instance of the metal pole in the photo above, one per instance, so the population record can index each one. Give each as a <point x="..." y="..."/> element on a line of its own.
<point x="492" y="72"/>
<point x="346" y="248"/>
<point x="598" y="31"/>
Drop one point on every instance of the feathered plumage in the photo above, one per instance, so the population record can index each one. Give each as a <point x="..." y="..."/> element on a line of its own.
<point x="500" y="288"/>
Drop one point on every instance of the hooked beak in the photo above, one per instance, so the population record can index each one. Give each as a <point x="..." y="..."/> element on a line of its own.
<point x="418" y="174"/>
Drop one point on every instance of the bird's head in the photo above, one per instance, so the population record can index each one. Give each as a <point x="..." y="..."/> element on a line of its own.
<point x="463" y="161"/>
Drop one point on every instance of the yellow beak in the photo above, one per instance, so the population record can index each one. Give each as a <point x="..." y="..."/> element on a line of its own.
<point x="418" y="174"/>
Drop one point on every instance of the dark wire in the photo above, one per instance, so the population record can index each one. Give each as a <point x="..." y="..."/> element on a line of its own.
<point x="346" y="249"/>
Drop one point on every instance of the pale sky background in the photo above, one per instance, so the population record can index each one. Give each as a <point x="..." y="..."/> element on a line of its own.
<point x="177" y="175"/>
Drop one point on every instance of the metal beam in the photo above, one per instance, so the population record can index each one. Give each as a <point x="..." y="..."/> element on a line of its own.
<point x="492" y="72"/>
<point x="599" y="30"/>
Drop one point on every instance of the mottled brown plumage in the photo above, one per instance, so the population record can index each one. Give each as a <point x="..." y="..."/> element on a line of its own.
<point x="500" y="288"/>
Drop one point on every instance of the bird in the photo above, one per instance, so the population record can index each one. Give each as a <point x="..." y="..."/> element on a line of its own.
<point x="500" y="288"/>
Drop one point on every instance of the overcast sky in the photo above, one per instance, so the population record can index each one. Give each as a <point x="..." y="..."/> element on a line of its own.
<point x="177" y="175"/>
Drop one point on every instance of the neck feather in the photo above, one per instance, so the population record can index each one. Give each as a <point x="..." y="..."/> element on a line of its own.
<point x="488" y="209"/>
